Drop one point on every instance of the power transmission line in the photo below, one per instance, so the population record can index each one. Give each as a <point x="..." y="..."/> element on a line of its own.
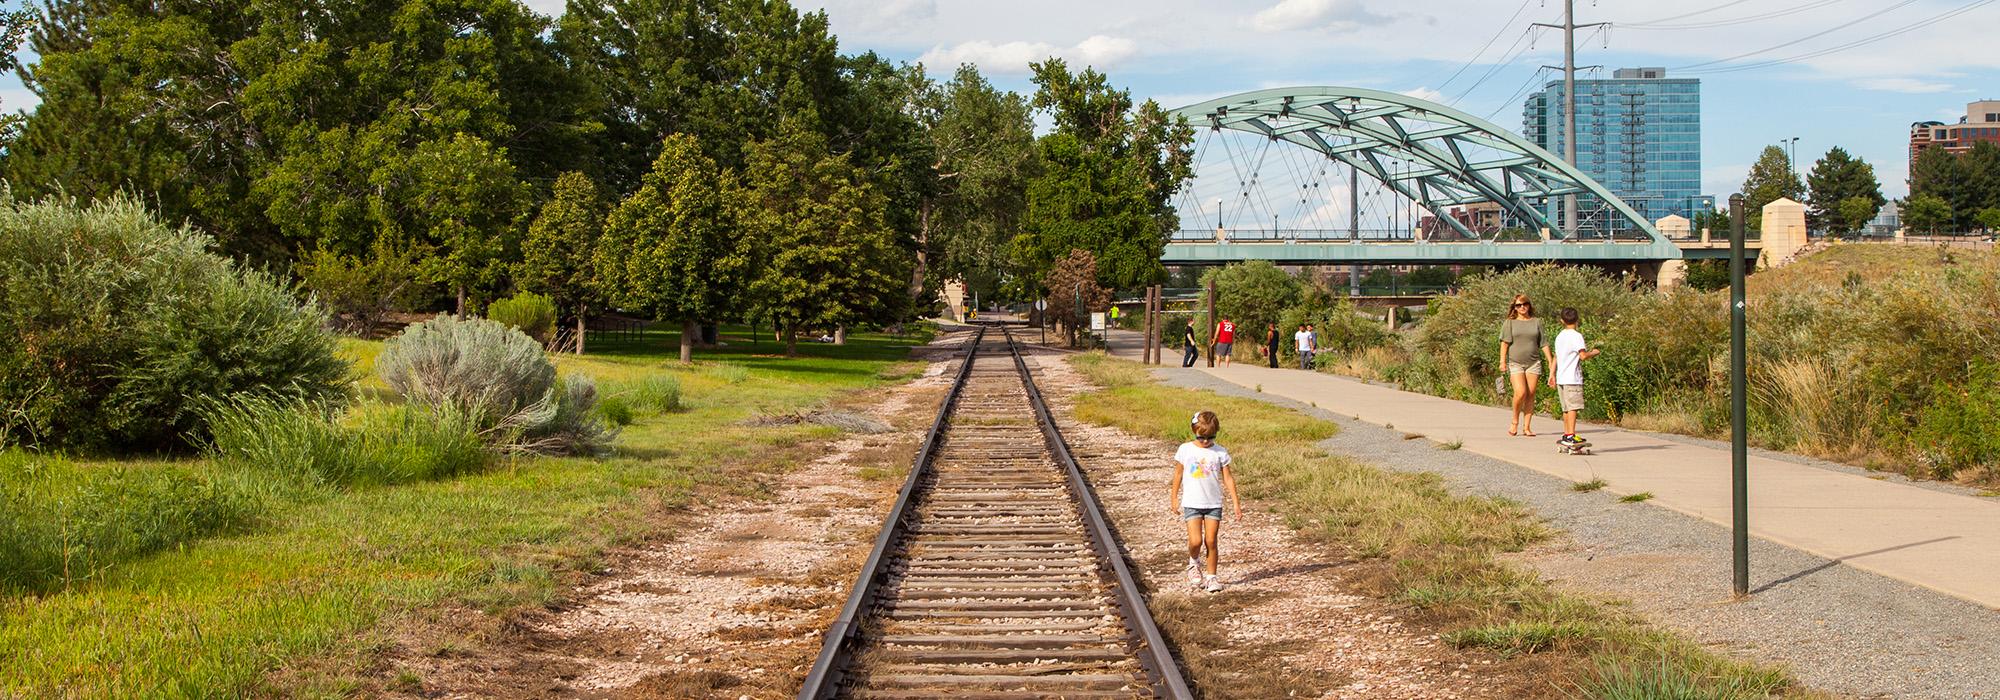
<point x="1495" y="68"/>
<point x="1489" y="44"/>
<point x="1696" y="12"/>
<point x="1657" y="25"/>
<point x="1899" y="31"/>
<point x="1805" y="38"/>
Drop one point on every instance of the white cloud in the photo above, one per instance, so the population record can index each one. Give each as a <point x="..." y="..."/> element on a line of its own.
<point x="1426" y="93"/>
<point x="15" y="98"/>
<point x="551" y="8"/>
<point x="1911" y="85"/>
<point x="1013" y="57"/>
<point x="1339" y="15"/>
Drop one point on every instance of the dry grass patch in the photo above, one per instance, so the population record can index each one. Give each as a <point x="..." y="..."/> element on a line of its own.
<point x="1441" y="549"/>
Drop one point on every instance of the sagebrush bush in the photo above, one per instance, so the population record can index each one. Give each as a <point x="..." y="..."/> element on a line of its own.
<point x="305" y="444"/>
<point x="61" y="524"/>
<point x="528" y="312"/>
<point x="122" y="328"/>
<point x="499" y="379"/>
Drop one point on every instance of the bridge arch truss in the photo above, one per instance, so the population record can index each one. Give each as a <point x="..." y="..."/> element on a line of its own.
<point x="1431" y="154"/>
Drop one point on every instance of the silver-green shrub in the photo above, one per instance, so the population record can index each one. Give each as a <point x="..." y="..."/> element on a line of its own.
<point x="121" y="330"/>
<point x="499" y="378"/>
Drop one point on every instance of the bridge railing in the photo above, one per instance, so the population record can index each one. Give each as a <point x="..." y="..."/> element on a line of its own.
<point x="1290" y="235"/>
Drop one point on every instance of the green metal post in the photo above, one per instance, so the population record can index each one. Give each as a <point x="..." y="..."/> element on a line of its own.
<point x="1739" y="460"/>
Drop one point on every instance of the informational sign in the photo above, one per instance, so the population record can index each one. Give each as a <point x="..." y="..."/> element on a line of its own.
<point x="1097" y="320"/>
<point x="1041" y="304"/>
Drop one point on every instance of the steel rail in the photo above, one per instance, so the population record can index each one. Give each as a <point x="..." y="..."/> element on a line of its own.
<point x="831" y="667"/>
<point x="1155" y="656"/>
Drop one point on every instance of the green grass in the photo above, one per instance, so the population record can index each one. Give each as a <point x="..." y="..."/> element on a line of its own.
<point x="1587" y="486"/>
<point x="245" y="608"/>
<point x="1639" y="497"/>
<point x="1439" y="552"/>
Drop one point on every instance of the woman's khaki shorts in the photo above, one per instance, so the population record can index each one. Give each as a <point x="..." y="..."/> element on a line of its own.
<point x="1518" y="368"/>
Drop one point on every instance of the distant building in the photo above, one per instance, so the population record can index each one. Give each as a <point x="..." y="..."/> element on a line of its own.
<point x="1980" y="123"/>
<point x="1478" y="217"/>
<point x="1638" y="134"/>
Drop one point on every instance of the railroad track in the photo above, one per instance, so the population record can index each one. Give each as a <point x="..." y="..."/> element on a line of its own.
<point x="996" y="574"/>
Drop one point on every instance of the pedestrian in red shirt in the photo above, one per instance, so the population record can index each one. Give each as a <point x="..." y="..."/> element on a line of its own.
<point x="1225" y="334"/>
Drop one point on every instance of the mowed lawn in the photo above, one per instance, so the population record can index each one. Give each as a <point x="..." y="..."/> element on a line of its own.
<point x="259" y="611"/>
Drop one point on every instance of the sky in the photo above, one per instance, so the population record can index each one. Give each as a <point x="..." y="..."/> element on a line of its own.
<point x="1850" y="73"/>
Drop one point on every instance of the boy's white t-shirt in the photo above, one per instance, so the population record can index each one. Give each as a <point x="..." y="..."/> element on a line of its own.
<point x="1201" y="474"/>
<point x="1569" y="362"/>
<point x="1302" y="340"/>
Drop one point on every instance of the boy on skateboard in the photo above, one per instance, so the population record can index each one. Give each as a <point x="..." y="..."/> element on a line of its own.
<point x="1571" y="351"/>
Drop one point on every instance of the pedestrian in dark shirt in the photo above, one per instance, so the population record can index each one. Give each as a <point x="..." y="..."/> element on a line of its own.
<point x="1190" y="351"/>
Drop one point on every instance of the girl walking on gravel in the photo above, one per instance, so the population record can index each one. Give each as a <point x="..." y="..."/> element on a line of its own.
<point x="1201" y="477"/>
<point x="1520" y="340"/>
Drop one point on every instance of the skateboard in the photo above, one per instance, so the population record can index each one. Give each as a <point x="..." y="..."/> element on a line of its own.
<point x="1581" y="448"/>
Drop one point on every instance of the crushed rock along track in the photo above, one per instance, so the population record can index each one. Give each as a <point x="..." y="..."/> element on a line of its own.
<point x="732" y="606"/>
<point x="1289" y="601"/>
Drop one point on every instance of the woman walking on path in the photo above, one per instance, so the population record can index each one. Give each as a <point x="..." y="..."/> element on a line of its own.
<point x="1520" y="340"/>
<point x="1271" y="346"/>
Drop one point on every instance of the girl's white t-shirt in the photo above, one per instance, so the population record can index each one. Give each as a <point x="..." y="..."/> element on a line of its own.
<point x="1201" y="474"/>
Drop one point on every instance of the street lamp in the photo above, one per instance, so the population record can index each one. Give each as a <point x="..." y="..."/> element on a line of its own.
<point x="1791" y="154"/>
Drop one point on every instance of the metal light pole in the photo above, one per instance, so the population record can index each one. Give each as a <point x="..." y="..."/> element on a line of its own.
<point x="1739" y="461"/>
<point x="1792" y="155"/>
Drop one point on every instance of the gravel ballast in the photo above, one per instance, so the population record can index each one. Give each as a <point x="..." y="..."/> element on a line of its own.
<point x="1839" y="629"/>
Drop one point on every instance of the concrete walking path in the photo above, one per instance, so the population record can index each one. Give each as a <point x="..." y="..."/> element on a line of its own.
<point x="1942" y="541"/>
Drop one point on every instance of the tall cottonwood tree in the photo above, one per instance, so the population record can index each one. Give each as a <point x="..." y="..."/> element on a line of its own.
<point x="714" y="69"/>
<point x="288" y="125"/>
<point x="675" y="248"/>
<point x="558" y="256"/>
<point x="829" y="257"/>
<point x="982" y="148"/>
<point x="1836" y="178"/>
<point x="1107" y="173"/>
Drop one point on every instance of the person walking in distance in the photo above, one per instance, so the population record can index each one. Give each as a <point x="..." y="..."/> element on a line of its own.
<point x="1201" y="478"/>
<point x="1271" y="346"/>
<point x="1312" y="338"/>
<point x="1302" y="341"/>
<point x="1571" y="351"/>
<point x="1189" y="351"/>
<point x="1522" y="352"/>
<point x="1225" y="338"/>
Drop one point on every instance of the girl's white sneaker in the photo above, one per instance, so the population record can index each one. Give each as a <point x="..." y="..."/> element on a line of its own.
<point x="1193" y="573"/>
<point x="1212" y="584"/>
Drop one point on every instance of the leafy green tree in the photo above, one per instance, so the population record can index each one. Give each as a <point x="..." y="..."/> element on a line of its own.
<point x="675" y="247"/>
<point x="1253" y="294"/>
<point x="982" y="144"/>
<point x="285" y="125"/>
<point x="1072" y="281"/>
<point x="558" y="255"/>
<point x="1926" y="212"/>
<point x="1430" y="276"/>
<point x="359" y="291"/>
<point x="1989" y="219"/>
<point x="1855" y="212"/>
<point x="1982" y="184"/>
<point x="1944" y="175"/>
<point x="1771" y="178"/>
<point x="1836" y="179"/>
<point x="14" y="27"/>
<point x="1108" y="170"/>
<point x="713" y="69"/>
<point x="829" y="258"/>
<point x="1706" y="275"/>
<point x="464" y="200"/>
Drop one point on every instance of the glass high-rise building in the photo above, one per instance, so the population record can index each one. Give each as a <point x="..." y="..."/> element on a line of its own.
<point x="1638" y="134"/>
